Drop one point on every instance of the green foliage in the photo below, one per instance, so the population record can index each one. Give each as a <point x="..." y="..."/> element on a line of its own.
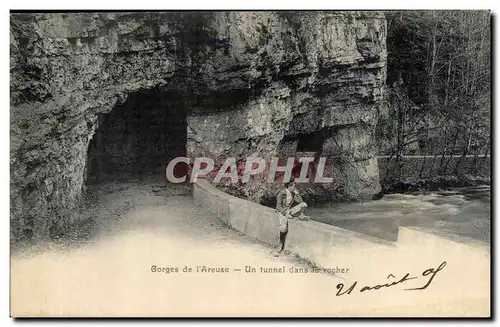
<point x="441" y="57"/>
<point x="439" y="82"/>
<point x="385" y="129"/>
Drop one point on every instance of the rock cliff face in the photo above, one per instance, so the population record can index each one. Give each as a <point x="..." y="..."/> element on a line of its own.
<point x="246" y="83"/>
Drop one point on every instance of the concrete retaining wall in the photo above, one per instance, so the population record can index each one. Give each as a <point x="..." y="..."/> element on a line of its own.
<point x="319" y="243"/>
<point x="352" y="255"/>
<point x="467" y="271"/>
<point x="245" y="216"/>
<point x="440" y="243"/>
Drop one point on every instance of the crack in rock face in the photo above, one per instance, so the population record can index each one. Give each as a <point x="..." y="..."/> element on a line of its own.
<point x="97" y="96"/>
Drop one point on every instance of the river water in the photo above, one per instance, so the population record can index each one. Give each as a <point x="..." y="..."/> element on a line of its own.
<point x="461" y="211"/>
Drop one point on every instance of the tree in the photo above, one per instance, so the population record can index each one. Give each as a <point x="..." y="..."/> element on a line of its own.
<point x="439" y="64"/>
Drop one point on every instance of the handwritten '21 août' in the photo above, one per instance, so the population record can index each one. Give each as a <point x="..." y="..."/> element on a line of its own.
<point x="431" y="272"/>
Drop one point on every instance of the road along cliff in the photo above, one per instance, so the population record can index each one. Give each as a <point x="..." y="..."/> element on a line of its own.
<point x="101" y="95"/>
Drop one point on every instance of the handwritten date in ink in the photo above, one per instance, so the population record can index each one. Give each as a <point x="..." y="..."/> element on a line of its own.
<point x="431" y="272"/>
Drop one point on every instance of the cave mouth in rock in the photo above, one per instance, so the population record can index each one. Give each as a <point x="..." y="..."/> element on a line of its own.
<point x="137" y="139"/>
<point x="311" y="142"/>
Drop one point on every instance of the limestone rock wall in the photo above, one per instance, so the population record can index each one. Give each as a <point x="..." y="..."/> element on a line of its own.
<point x="248" y="82"/>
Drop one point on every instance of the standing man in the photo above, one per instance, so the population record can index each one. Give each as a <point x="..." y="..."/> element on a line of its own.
<point x="286" y="209"/>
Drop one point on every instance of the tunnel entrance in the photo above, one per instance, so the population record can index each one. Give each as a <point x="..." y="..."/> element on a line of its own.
<point x="138" y="138"/>
<point x="312" y="142"/>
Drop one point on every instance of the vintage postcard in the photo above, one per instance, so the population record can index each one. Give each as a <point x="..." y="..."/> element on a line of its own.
<point x="250" y="163"/>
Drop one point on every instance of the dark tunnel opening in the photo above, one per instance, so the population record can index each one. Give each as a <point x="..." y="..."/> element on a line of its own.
<point x="138" y="138"/>
<point x="312" y="142"/>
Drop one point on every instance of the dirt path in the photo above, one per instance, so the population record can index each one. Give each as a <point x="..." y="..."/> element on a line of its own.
<point x="137" y="226"/>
